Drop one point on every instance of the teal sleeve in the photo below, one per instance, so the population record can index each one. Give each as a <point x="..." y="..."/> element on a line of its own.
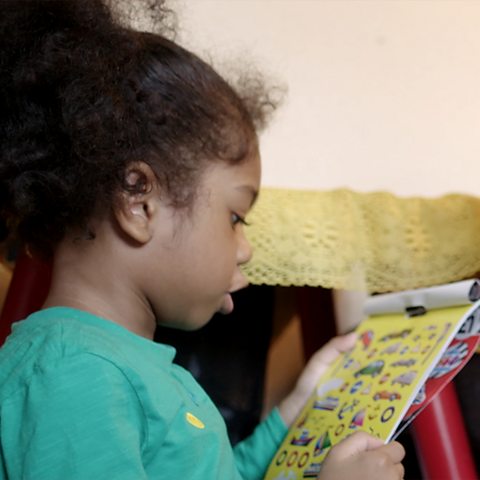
<point x="253" y="455"/>
<point x="79" y="420"/>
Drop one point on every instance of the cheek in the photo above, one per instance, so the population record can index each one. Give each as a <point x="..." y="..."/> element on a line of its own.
<point x="218" y="254"/>
<point x="209" y="249"/>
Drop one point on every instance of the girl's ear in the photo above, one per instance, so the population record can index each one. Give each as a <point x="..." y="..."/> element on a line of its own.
<point x="138" y="202"/>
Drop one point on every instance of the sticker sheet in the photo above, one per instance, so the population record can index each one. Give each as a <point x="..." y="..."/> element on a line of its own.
<point x="373" y="387"/>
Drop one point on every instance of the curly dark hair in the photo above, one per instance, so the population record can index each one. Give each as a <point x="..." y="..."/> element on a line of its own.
<point x="83" y="95"/>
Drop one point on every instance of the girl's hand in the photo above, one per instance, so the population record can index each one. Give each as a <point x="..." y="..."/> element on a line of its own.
<point x="362" y="456"/>
<point x="315" y="368"/>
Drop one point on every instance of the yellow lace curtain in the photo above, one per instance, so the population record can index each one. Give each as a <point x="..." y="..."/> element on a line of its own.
<point x="376" y="242"/>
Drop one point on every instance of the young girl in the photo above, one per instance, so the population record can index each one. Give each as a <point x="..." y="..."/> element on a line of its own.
<point x="132" y="164"/>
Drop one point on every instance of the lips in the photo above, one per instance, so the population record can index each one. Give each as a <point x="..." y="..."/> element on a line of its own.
<point x="227" y="304"/>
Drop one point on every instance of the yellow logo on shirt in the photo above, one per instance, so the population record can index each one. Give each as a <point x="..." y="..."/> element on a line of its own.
<point x="193" y="420"/>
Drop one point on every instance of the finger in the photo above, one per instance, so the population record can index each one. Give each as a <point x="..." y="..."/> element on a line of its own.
<point x="323" y="358"/>
<point x="343" y="343"/>
<point x="330" y="351"/>
<point x="356" y="443"/>
<point x="395" y="451"/>
<point x="400" y="469"/>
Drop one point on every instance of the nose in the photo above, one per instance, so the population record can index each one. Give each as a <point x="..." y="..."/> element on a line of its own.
<point x="244" y="249"/>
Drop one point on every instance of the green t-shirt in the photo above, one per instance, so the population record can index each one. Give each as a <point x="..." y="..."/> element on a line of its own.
<point x="83" y="398"/>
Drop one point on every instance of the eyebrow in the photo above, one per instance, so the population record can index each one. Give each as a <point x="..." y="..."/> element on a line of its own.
<point x="252" y="191"/>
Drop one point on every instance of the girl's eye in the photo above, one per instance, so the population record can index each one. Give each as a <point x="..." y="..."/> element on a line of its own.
<point x="236" y="219"/>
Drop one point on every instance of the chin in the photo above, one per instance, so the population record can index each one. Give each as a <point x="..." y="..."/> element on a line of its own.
<point x="189" y="325"/>
<point x="193" y="327"/>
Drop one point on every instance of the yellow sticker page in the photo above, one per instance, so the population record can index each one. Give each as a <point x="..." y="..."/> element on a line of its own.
<point x="369" y="388"/>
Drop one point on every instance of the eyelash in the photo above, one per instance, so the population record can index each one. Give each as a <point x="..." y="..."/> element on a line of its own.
<point x="238" y="219"/>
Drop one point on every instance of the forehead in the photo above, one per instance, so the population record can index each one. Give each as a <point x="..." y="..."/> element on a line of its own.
<point x="245" y="175"/>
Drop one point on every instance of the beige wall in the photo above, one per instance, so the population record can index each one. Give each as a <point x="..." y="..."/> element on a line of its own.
<point x="382" y="94"/>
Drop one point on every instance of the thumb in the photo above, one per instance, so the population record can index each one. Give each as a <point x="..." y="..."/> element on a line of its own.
<point x="336" y="345"/>
<point x="355" y="444"/>
<point x="324" y="357"/>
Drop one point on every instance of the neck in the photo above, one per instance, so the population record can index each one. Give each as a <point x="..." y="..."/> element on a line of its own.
<point x="95" y="279"/>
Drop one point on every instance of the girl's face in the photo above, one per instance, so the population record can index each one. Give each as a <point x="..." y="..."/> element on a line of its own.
<point x="197" y="258"/>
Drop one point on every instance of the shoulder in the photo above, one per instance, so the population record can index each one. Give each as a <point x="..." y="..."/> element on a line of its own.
<point x="47" y="348"/>
<point x="92" y="356"/>
<point x="62" y="373"/>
